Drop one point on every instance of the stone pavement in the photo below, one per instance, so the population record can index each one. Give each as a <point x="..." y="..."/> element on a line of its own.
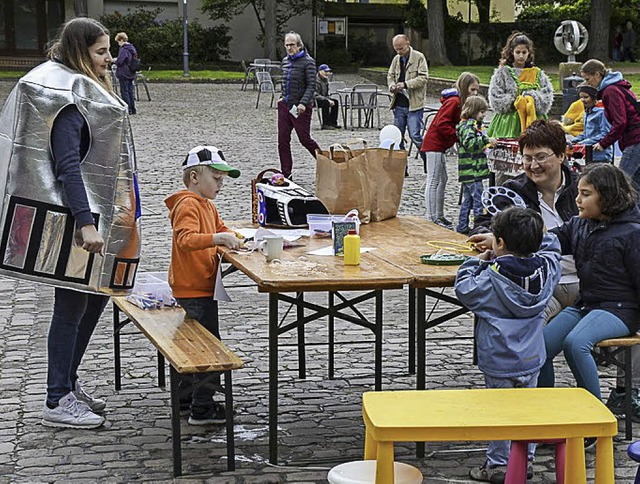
<point x="320" y="420"/>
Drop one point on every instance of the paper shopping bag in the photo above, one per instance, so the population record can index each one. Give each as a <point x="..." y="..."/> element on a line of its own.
<point x="342" y="181"/>
<point x="386" y="169"/>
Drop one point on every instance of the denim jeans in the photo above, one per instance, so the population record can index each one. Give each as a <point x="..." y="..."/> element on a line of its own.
<point x="128" y="95"/>
<point x="576" y="332"/>
<point x="471" y="200"/>
<point x="498" y="450"/>
<point x="75" y="316"/>
<point x="205" y="311"/>
<point x="403" y="119"/>
<point x="630" y="163"/>
<point x="436" y="183"/>
<point x="287" y="123"/>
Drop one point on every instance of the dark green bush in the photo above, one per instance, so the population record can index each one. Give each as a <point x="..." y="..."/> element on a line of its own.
<point x="159" y="42"/>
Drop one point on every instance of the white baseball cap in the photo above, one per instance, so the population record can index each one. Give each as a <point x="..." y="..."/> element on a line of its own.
<point x="209" y="156"/>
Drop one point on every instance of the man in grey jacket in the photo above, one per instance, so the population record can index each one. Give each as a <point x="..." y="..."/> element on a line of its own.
<point x="407" y="81"/>
<point x="296" y="102"/>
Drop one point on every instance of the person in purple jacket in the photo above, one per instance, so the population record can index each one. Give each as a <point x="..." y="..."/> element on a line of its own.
<point x="620" y="110"/>
<point x="125" y="74"/>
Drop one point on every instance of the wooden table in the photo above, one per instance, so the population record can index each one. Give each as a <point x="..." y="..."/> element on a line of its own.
<point x="328" y="274"/>
<point x="527" y="414"/>
<point x="399" y="242"/>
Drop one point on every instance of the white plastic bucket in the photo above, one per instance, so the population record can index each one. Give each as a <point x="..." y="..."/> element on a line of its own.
<point x="364" y="472"/>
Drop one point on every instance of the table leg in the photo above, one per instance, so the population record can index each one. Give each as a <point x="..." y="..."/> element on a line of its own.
<point x="384" y="466"/>
<point x="116" y="347"/>
<point x="574" y="469"/>
<point x="378" y="350"/>
<point x="412" y="330"/>
<point x="422" y="356"/>
<point x="605" y="470"/>
<point x="273" y="378"/>
<point x="302" y="353"/>
<point x="370" y="446"/>
<point x="331" y="335"/>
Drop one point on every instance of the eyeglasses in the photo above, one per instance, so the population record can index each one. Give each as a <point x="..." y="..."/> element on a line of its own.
<point x="541" y="159"/>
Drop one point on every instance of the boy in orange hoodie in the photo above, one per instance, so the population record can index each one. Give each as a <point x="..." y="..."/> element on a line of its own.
<point x="198" y="230"/>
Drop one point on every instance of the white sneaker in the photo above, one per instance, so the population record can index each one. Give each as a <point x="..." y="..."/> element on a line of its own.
<point x="97" y="405"/>
<point x="71" y="413"/>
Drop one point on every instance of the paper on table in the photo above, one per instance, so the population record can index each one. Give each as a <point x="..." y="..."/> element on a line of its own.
<point x="329" y="250"/>
<point x="219" y="292"/>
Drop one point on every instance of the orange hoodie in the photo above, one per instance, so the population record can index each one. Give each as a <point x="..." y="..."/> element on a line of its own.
<point x="194" y="258"/>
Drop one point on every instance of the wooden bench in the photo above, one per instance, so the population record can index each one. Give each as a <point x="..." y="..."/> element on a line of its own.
<point x="189" y="348"/>
<point x="609" y="353"/>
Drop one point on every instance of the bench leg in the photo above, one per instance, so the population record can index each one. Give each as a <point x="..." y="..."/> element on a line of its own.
<point x="161" y="381"/>
<point x="228" y="393"/>
<point x="116" y="348"/>
<point x="331" y="336"/>
<point x="412" y="330"/>
<point x="175" y="423"/>
<point x="302" y="353"/>
<point x="378" y="350"/>
<point x="628" y="393"/>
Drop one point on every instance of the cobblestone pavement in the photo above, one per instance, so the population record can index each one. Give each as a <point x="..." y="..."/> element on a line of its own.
<point x="320" y="420"/>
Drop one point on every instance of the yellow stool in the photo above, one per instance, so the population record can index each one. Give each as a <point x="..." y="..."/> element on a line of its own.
<point x="364" y="472"/>
<point x="490" y="414"/>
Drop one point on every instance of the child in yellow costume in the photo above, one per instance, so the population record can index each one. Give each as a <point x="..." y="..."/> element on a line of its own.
<point x="519" y="92"/>
<point x="572" y="121"/>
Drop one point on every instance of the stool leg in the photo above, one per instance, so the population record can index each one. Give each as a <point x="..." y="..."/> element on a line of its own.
<point x="604" y="461"/>
<point x="370" y="446"/>
<point x="517" y="465"/>
<point x="561" y="455"/>
<point x="574" y="468"/>
<point x="384" y="465"/>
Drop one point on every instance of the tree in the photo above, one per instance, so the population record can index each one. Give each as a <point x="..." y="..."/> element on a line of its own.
<point x="437" y="10"/>
<point x="484" y="11"/>
<point x="271" y="29"/>
<point x="286" y="9"/>
<point x="599" y="32"/>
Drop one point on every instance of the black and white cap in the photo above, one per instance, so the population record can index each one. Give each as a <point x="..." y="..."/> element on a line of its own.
<point x="210" y="156"/>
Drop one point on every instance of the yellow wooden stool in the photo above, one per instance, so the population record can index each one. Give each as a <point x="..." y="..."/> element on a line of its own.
<point x="490" y="414"/>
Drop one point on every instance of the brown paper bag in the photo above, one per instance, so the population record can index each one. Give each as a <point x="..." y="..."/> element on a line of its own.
<point x="386" y="169"/>
<point x="342" y="181"/>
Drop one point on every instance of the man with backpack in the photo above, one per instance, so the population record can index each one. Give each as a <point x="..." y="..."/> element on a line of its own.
<point x="127" y="64"/>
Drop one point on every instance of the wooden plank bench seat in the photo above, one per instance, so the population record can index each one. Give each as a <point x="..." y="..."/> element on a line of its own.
<point x="189" y="348"/>
<point x="609" y="351"/>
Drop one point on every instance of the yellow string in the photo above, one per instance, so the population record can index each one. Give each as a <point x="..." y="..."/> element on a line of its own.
<point x="450" y="246"/>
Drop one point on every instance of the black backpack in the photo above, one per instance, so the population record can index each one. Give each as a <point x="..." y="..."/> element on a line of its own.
<point x="135" y="65"/>
<point x="632" y="100"/>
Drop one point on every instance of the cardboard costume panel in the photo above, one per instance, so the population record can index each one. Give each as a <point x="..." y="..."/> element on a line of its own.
<point x="38" y="236"/>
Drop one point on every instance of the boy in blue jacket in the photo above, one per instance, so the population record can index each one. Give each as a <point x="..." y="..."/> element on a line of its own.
<point x="508" y="289"/>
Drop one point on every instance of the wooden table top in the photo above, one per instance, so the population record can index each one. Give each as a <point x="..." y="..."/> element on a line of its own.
<point x="402" y="240"/>
<point x="399" y="243"/>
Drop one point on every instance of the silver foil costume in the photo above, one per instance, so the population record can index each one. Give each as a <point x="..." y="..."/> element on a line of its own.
<point x="37" y="229"/>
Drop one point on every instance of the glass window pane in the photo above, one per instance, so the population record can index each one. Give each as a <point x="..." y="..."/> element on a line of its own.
<point x="25" y="17"/>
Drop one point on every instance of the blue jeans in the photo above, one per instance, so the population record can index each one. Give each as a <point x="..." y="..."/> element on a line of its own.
<point x="576" y="332"/>
<point x="128" y="95"/>
<point x="205" y="311"/>
<point x="75" y="316"/>
<point x="403" y="119"/>
<point x="498" y="450"/>
<point x="471" y="200"/>
<point x="630" y="163"/>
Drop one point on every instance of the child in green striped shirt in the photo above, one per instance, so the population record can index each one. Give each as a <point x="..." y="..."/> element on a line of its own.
<point x="472" y="161"/>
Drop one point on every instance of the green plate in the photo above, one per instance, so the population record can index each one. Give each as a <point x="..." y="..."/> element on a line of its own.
<point x="443" y="260"/>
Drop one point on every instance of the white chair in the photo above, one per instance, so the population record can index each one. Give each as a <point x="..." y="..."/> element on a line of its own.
<point x="249" y="72"/>
<point x="265" y="84"/>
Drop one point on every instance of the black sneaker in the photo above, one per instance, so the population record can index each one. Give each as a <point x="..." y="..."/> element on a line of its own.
<point x="443" y="222"/>
<point x="214" y="415"/>
<point x="589" y="442"/>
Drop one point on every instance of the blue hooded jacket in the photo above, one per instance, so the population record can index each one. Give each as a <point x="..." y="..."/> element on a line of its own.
<point x="596" y="127"/>
<point x="509" y="295"/>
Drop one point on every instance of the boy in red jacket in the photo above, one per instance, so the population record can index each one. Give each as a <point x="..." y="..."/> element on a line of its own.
<point x="197" y="232"/>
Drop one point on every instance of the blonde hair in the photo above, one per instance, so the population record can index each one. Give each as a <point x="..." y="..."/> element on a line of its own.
<point x="472" y="107"/>
<point x="122" y="36"/>
<point x="462" y="85"/>
<point x="198" y="170"/>
<point x="594" y="66"/>
<point x="72" y="47"/>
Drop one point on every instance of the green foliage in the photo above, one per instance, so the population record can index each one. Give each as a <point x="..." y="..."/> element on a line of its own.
<point x="160" y="42"/>
<point x="285" y="9"/>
